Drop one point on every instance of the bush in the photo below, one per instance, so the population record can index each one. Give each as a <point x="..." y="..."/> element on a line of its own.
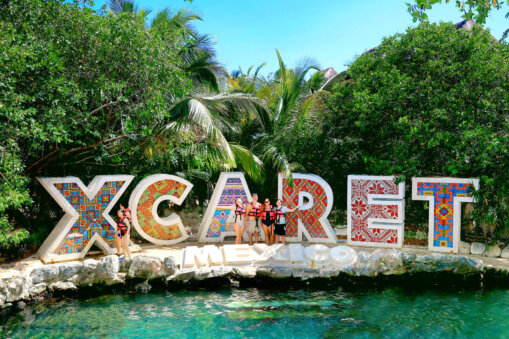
<point x="431" y="102"/>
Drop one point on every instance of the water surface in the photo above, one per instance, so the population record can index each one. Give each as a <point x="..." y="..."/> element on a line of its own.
<point x="294" y="313"/>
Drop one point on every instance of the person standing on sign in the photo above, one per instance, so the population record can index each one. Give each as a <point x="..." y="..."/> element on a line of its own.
<point x="268" y="217"/>
<point x="280" y="228"/>
<point x="240" y="220"/>
<point x="124" y="229"/>
<point x="253" y="216"/>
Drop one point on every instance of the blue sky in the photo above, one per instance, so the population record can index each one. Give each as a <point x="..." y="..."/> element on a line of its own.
<point x="333" y="32"/>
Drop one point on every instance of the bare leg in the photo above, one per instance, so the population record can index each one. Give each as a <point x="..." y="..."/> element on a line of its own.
<point x="250" y="239"/>
<point x="277" y="239"/>
<point x="266" y="231"/>
<point x="127" y="250"/>
<point x="284" y="239"/>
<point x="257" y="234"/>
<point x="237" y="232"/>
<point x="272" y="234"/>
<point x="118" y="242"/>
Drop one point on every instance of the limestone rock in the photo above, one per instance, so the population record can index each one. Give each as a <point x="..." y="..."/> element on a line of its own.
<point x="467" y="265"/>
<point x="493" y="251"/>
<point x="170" y="265"/>
<point x="68" y="270"/>
<point x="47" y="273"/>
<point x="16" y="288"/>
<point x="37" y="289"/>
<point x="464" y="247"/>
<point x="143" y="287"/>
<point x="107" y="268"/>
<point x="274" y="272"/>
<point x="62" y="286"/>
<point x="505" y="252"/>
<point x="477" y="248"/>
<point x="146" y="267"/>
<point x="89" y="266"/>
<point x="245" y="272"/>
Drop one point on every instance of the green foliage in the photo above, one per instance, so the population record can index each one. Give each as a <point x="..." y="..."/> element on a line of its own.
<point x="471" y="9"/>
<point x="85" y="93"/>
<point x="430" y="102"/>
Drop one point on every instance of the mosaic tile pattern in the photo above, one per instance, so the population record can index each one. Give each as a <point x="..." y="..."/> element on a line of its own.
<point x="147" y="221"/>
<point x="84" y="228"/>
<point x="443" y="195"/>
<point x="361" y="211"/>
<point x="233" y="189"/>
<point x="310" y="218"/>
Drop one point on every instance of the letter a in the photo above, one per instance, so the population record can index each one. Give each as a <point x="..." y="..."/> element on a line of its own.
<point x="145" y="199"/>
<point x="219" y="217"/>
<point x="311" y="218"/>
<point x="376" y="211"/>
<point x="445" y="196"/>
<point x="86" y="220"/>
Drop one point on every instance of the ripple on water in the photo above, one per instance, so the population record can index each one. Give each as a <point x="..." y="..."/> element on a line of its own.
<point x="234" y="313"/>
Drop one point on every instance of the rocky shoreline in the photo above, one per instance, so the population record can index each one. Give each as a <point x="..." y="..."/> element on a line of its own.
<point x="28" y="282"/>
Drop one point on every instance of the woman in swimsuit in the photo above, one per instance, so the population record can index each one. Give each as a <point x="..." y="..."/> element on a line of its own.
<point x="280" y="228"/>
<point x="268" y="216"/>
<point x="240" y="220"/>
<point x="124" y="230"/>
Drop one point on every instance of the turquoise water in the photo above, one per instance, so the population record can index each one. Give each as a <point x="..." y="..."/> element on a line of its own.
<point x="300" y="313"/>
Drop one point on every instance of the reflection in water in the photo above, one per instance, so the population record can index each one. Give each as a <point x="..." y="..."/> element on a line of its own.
<point x="299" y="313"/>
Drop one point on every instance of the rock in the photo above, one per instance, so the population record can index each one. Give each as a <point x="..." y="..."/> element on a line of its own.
<point x="107" y="268"/>
<point x="245" y="271"/>
<point x="37" y="289"/>
<point x="89" y="266"/>
<point x="421" y="235"/>
<point x="68" y="270"/>
<point x="467" y="265"/>
<point x="274" y="272"/>
<point x="493" y="251"/>
<point x="477" y="248"/>
<point x="207" y="273"/>
<point x="21" y="305"/>
<point x="146" y="267"/>
<point x="183" y="276"/>
<point x="505" y="253"/>
<point x="169" y="265"/>
<point x="464" y="247"/>
<point x="47" y="273"/>
<point x="15" y="288"/>
<point x="435" y="262"/>
<point x="143" y="287"/>
<point x="62" y="286"/>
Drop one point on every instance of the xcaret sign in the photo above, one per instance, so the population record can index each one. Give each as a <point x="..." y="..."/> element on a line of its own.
<point x="375" y="208"/>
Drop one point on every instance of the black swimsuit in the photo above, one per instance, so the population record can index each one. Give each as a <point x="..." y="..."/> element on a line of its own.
<point x="122" y="228"/>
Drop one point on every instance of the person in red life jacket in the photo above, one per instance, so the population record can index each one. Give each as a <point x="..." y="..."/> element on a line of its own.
<point x="124" y="230"/>
<point x="268" y="216"/>
<point x="240" y="219"/>
<point x="280" y="222"/>
<point x="126" y="211"/>
<point x="253" y="217"/>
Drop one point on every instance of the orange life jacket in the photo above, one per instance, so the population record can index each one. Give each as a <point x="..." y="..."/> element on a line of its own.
<point x="271" y="213"/>
<point x="240" y="213"/>
<point x="255" y="211"/>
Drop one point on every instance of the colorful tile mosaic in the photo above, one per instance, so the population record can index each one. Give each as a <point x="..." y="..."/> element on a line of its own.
<point x="89" y="210"/>
<point x="145" y="199"/>
<point x="445" y="196"/>
<point x="385" y="212"/>
<point x="144" y="210"/>
<point x="218" y="220"/>
<point x="313" y="219"/>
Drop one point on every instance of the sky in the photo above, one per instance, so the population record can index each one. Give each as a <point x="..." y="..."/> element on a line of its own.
<point x="332" y="32"/>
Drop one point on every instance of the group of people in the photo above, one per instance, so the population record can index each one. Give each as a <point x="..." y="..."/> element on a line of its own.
<point x="254" y="215"/>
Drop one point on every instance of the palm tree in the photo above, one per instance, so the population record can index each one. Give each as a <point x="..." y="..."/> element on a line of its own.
<point x="203" y="119"/>
<point x="290" y="99"/>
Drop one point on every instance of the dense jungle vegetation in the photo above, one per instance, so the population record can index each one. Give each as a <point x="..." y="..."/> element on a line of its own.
<point x="85" y="92"/>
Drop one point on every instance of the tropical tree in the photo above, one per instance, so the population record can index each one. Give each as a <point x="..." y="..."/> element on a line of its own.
<point x="290" y="99"/>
